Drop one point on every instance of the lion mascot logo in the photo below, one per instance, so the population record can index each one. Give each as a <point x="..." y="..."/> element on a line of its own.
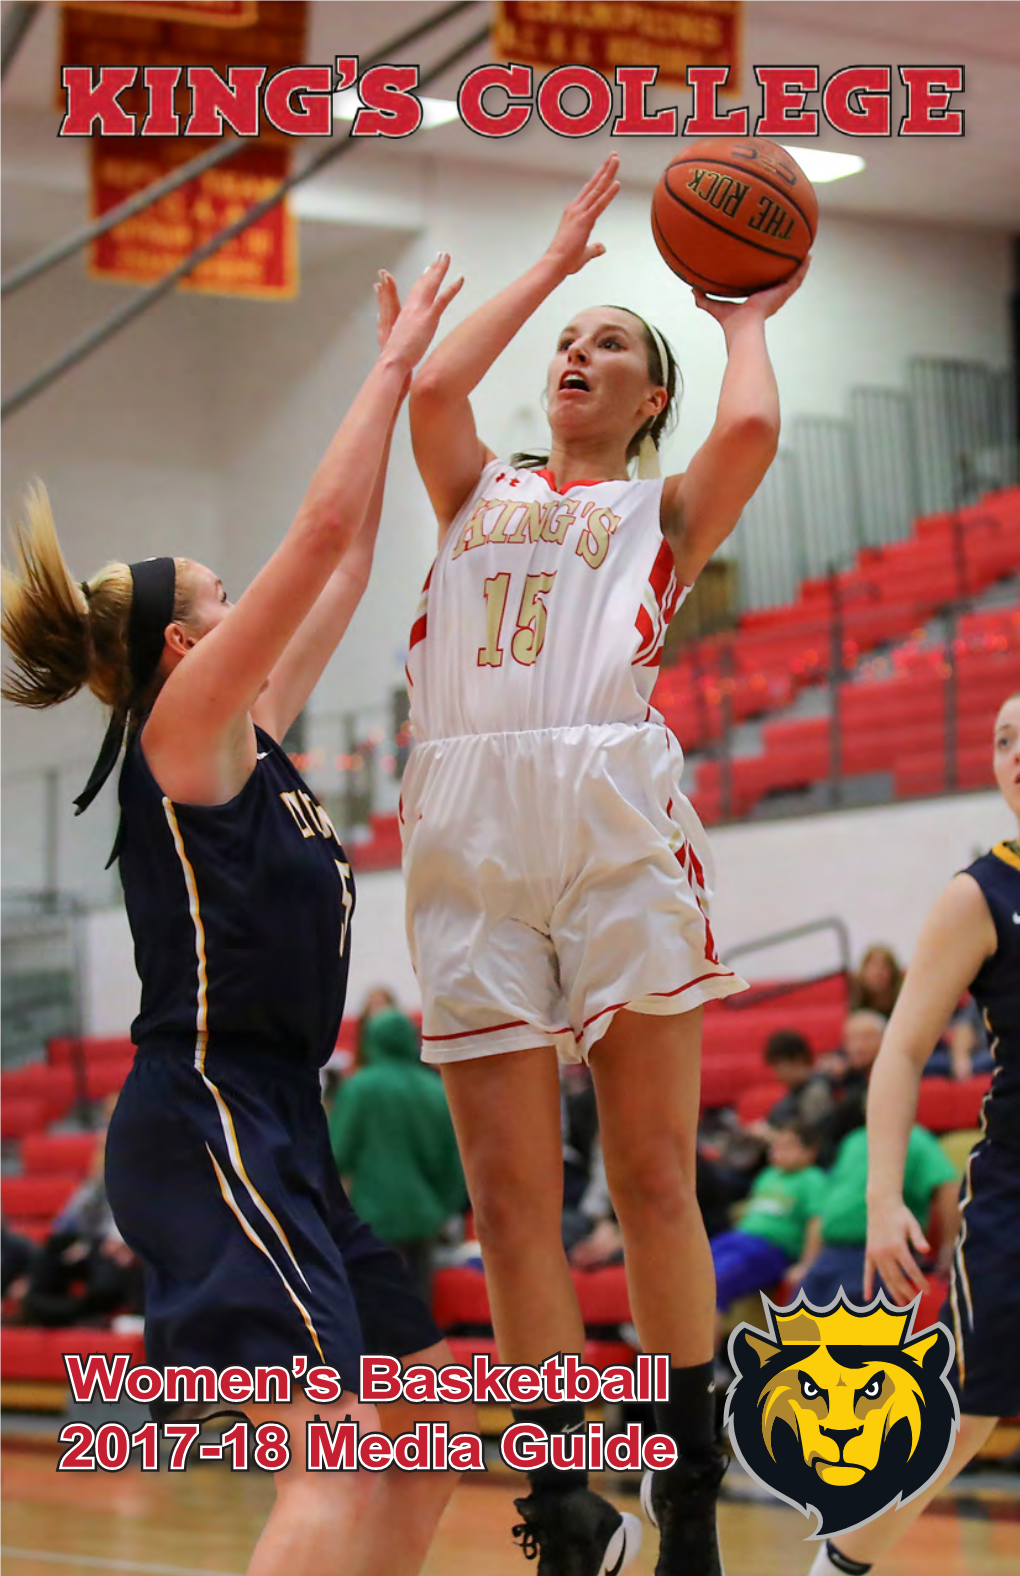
<point x="842" y="1412"/>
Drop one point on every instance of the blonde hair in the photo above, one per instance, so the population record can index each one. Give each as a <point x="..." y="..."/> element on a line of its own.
<point x="65" y="635"/>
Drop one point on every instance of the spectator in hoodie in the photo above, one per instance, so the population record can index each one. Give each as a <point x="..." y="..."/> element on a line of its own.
<point x="393" y="1142"/>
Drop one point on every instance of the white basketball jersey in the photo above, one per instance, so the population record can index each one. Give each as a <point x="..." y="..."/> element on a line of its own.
<point x="543" y="609"/>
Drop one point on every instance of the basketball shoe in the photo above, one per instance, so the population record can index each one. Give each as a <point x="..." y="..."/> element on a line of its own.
<point x="576" y="1534"/>
<point x="681" y="1504"/>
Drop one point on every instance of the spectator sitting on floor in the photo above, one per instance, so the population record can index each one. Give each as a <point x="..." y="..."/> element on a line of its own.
<point x="877" y="982"/>
<point x="848" y="1072"/>
<point x="808" y="1096"/>
<point x="770" y="1235"/>
<point x="393" y="1142"/>
<point x="84" y="1271"/>
<point x="834" y="1247"/>
<point x="963" y="1050"/>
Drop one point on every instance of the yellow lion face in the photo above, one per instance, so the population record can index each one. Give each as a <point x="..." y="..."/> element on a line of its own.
<point x="841" y="1412"/>
<point x="841" y="1415"/>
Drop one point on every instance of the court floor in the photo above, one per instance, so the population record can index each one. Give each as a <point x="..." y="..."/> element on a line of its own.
<point x="204" y="1522"/>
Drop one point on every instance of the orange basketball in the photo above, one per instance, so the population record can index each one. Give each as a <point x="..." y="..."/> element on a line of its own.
<point x="733" y="215"/>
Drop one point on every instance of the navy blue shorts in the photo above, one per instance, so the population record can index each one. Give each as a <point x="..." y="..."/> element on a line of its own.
<point x="983" y="1307"/>
<point x="223" y="1182"/>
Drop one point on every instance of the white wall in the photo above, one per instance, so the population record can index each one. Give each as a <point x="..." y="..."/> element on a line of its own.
<point x="879" y="870"/>
<point x="196" y="430"/>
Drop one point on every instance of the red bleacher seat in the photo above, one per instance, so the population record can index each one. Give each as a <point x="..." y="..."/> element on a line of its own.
<point x="21" y="1114"/>
<point x="756" y="1103"/>
<point x="68" y="1154"/>
<point x="63" y="1052"/>
<point x="35" y="1230"/>
<point x="460" y="1296"/>
<point x="35" y="1197"/>
<point x="945" y="1105"/>
<point x="603" y="1296"/>
<point x="54" y="1086"/>
<point x="30" y="1354"/>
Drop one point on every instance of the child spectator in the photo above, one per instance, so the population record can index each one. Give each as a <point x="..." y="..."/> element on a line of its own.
<point x="393" y="1141"/>
<point x="808" y="1095"/>
<point x="770" y="1235"/>
<point x="834" y="1248"/>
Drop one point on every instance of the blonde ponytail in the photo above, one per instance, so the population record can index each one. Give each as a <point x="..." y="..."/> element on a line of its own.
<point x="62" y="636"/>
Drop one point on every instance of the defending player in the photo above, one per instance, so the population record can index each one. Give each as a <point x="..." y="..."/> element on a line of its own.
<point x="240" y="897"/>
<point x="557" y="878"/>
<point x="970" y="941"/>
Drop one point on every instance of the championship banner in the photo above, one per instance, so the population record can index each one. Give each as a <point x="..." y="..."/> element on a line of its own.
<point x="604" y="35"/>
<point x="263" y="260"/>
<point x="198" y="13"/>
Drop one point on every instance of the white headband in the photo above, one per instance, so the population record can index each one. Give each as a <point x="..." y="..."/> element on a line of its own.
<point x="663" y="353"/>
<point x="648" y="455"/>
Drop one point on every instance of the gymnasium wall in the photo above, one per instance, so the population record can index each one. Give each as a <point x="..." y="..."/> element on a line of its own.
<point x="198" y="428"/>
<point x="879" y="870"/>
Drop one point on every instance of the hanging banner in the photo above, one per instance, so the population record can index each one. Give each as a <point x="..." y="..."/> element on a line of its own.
<point x="197" y="13"/>
<point x="661" y="33"/>
<point x="263" y="260"/>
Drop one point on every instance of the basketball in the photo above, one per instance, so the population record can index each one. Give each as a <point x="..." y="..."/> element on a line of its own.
<point x="733" y="215"/>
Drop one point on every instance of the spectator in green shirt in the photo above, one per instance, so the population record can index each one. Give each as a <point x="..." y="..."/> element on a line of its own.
<point x="770" y="1234"/>
<point x="834" y="1251"/>
<point x="393" y="1143"/>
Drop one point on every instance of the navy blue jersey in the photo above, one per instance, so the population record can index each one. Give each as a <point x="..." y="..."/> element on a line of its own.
<point x="240" y="913"/>
<point x="996" y="988"/>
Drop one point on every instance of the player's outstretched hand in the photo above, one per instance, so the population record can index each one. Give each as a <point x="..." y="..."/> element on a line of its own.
<point x="765" y="303"/>
<point x="893" y="1233"/>
<point x="571" y="246"/>
<point x="409" y="329"/>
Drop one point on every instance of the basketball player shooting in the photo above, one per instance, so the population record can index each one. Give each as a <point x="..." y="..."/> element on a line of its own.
<point x="558" y="880"/>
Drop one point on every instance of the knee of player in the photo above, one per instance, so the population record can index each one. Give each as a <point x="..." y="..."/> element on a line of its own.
<point x="510" y="1220"/>
<point x="653" y="1184"/>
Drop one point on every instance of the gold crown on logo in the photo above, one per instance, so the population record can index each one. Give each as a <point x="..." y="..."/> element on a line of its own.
<point x="879" y="1327"/>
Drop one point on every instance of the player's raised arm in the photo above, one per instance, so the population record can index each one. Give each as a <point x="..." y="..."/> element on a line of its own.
<point x="957" y="937"/>
<point x="702" y="506"/>
<point x="219" y="684"/>
<point x="300" y="668"/>
<point x="449" y="453"/>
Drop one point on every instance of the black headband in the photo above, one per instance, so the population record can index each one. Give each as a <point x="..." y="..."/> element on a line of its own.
<point x="153" y="586"/>
<point x="153" y="589"/>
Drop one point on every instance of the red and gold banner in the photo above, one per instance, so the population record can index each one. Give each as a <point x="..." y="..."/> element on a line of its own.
<point x="199" y="13"/>
<point x="262" y="261"/>
<point x="609" y="33"/>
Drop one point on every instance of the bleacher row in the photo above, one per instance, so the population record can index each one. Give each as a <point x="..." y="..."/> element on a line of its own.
<point x="895" y="724"/>
<point x="53" y="1163"/>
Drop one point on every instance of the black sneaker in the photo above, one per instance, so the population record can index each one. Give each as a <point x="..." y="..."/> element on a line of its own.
<point x="681" y="1504"/>
<point x="576" y="1534"/>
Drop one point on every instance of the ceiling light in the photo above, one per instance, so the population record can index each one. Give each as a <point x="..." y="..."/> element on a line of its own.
<point x="435" y="112"/>
<point x="820" y="166"/>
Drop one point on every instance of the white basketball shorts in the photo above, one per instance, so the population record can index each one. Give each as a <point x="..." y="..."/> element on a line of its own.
<point x="553" y="878"/>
